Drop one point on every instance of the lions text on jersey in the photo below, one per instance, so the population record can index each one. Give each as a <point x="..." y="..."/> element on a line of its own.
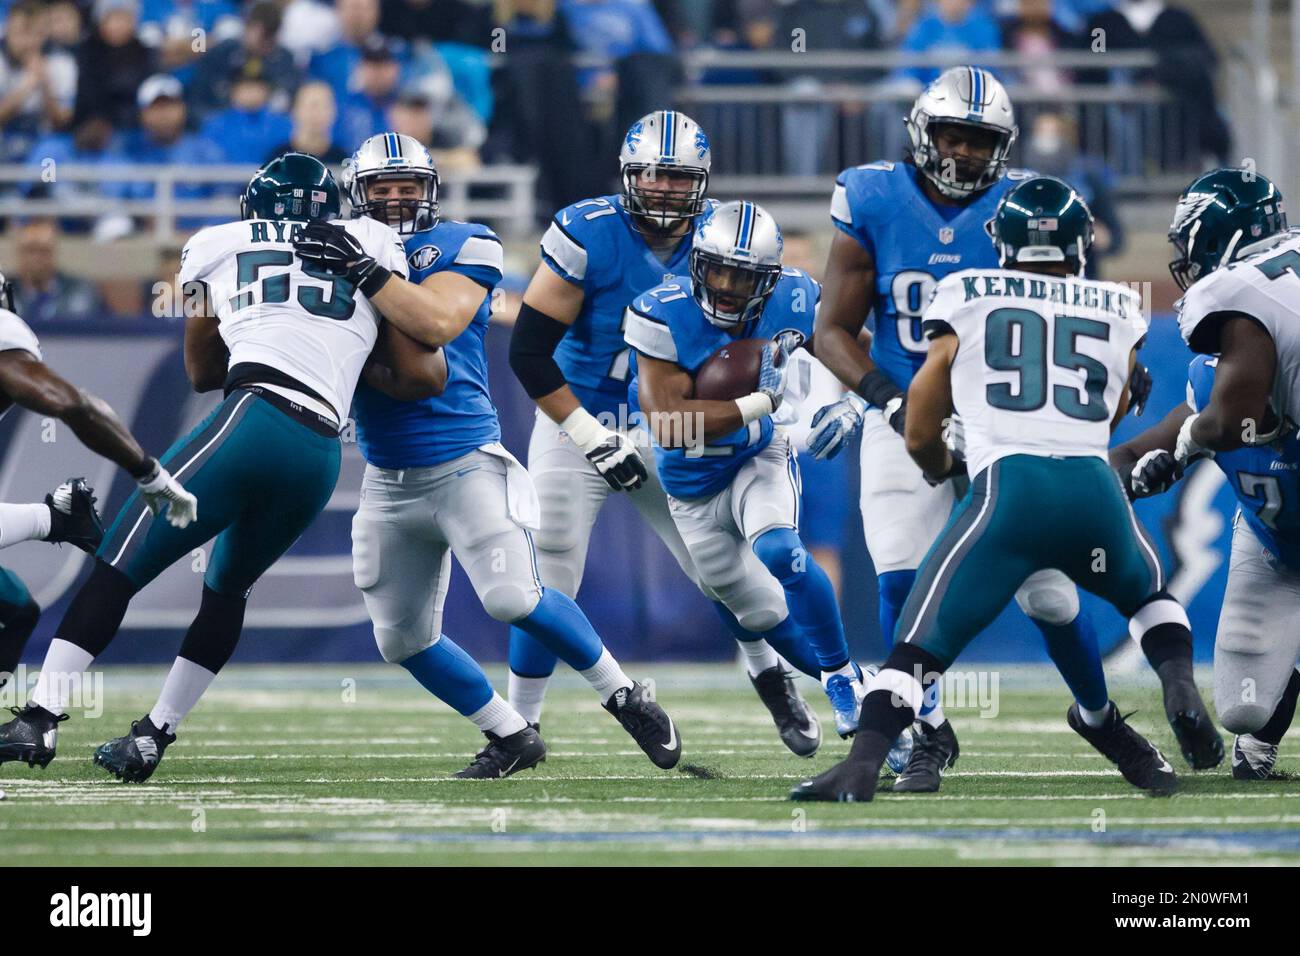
<point x="914" y="244"/>
<point x="276" y="311"/>
<point x="1265" y="478"/>
<point x="666" y="323"/>
<point x="393" y="434"/>
<point x="594" y="245"/>
<point x="1041" y="363"/>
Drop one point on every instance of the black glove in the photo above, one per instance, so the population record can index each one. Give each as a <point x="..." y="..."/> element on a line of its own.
<point x="958" y="470"/>
<point x="1139" y="389"/>
<point x="1155" y="472"/>
<point x="330" y="247"/>
<point x="619" y="463"/>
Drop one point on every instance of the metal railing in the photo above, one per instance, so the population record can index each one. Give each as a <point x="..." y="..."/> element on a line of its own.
<point x="154" y="195"/>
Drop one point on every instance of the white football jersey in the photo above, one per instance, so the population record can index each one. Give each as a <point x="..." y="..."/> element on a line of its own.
<point x="1041" y="361"/>
<point x="1266" y="286"/>
<point x="313" y="328"/>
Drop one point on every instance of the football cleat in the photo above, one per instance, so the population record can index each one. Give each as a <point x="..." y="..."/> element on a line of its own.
<point x="1137" y="758"/>
<point x="651" y="728"/>
<point x="1252" y="759"/>
<point x="798" y="726"/>
<point x="136" y="756"/>
<point x="845" y="695"/>
<point x="30" y="737"/>
<point x="1198" y="738"/>
<point x="73" y="517"/>
<point x="934" y="750"/>
<point x="901" y="752"/>
<point x="849" y="781"/>
<point x="504" y="756"/>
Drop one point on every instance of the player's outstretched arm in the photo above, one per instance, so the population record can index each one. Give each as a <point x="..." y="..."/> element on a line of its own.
<point x="206" y="356"/>
<point x="1146" y="463"/>
<point x="432" y="312"/>
<point x="929" y="403"/>
<point x="550" y="307"/>
<point x="1243" y="380"/>
<point x="403" y="368"/>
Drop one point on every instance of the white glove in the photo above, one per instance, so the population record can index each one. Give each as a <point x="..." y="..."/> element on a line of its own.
<point x="954" y="436"/>
<point x="164" y="495"/>
<point x="612" y="453"/>
<point x="834" y="425"/>
<point x="1187" y="449"/>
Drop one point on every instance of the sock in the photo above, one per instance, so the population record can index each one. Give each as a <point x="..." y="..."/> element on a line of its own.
<point x="16" y="625"/>
<point x="185" y="684"/>
<point x="1275" y="729"/>
<point x="931" y="711"/>
<point x="497" y="717"/>
<point x="786" y="639"/>
<point x="1073" y="649"/>
<point x="560" y="626"/>
<point x="527" y="694"/>
<point x="1094" y="718"/>
<point x="605" y="676"/>
<point x="20" y="523"/>
<point x="451" y="675"/>
<point x="65" y="662"/>
<point x="893" y="587"/>
<point x="808" y="592"/>
<point x="759" y="656"/>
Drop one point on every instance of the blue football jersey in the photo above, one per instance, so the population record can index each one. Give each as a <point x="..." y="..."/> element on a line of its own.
<point x="395" y="434"/>
<point x="666" y="323"/>
<point x="594" y="245"/>
<point x="914" y="244"/>
<point x="1265" y="478"/>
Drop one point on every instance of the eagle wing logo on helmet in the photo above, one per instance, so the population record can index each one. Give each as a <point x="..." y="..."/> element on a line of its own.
<point x="1190" y="208"/>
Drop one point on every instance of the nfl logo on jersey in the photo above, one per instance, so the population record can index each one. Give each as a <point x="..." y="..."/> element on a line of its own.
<point x="946" y="235"/>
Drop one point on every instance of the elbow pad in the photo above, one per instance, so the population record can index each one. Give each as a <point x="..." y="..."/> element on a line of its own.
<point x="532" y="351"/>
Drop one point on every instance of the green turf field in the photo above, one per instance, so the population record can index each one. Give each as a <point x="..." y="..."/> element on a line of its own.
<point x="343" y="764"/>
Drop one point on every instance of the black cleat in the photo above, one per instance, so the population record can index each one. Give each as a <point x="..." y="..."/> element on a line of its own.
<point x="1198" y="738"/>
<point x="796" y="723"/>
<point x="136" y="756"/>
<point x="849" y="781"/>
<point x="29" y="738"/>
<point x="1252" y="759"/>
<point x="73" y="517"/>
<point x="1137" y="758"/>
<point x="934" y="750"/>
<point x="503" y="756"/>
<point x="652" y="729"/>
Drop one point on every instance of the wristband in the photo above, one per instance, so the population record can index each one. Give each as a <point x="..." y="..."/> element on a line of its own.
<point x="148" y="471"/>
<point x="374" y="279"/>
<point x="877" y="388"/>
<point x="156" y="482"/>
<point x="753" y="407"/>
<point x="582" y="427"/>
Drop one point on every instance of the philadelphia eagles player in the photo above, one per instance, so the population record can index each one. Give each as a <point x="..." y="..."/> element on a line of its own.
<point x="439" y="482"/>
<point x="287" y="340"/>
<point x="1036" y="359"/>
<point x="1240" y="268"/>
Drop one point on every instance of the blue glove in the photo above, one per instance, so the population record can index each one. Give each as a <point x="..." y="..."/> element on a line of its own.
<point x="834" y="425"/>
<point x="772" y="373"/>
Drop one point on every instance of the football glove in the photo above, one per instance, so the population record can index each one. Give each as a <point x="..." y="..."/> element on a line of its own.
<point x="1139" y="389"/>
<point x="834" y="425"/>
<point x="1187" y="449"/>
<point x="165" y="496"/>
<point x="613" y="454"/>
<point x="330" y="247"/>
<point x="895" y="412"/>
<point x="1154" y="473"/>
<point x="954" y="436"/>
<point x="772" y="373"/>
<point x="958" y="470"/>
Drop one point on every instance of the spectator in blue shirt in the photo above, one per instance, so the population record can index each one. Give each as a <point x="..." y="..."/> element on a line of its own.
<point x="950" y="26"/>
<point x="168" y="26"/>
<point x="210" y="90"/>
<point x="374" y="87"/>
<point x="92" y="142"/>
<point x="613" y="29"/>
<point x="358" y="25"/>
<point x="249" y="128"/>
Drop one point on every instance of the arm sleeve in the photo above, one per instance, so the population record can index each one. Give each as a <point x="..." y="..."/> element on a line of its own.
<point x="532" y="351"/>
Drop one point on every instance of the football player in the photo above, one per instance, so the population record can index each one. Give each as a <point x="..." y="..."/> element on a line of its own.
<point x="438" y="481"/>
<point x="1036" y="359"/>
<point x="287" y="340"/>
<point x="730" y="474"/>
<point x="1240" y="268"/>
<point x="900" y="228"/>
<point x="568" y="351"/>
<point x="69" y="513"/>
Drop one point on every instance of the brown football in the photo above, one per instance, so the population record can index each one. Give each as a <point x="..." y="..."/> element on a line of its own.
<point x="731" y="372"/>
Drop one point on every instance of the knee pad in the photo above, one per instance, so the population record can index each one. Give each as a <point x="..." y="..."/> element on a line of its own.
<point x="759" y="609"/>
<point x="510" y="602"/>
<point x="783" y="554"/>
<point x="1240" y="718"/>
<point x="560" y="495"/>
<point x="396" y="644"/>
<point x="1049" y="597"/>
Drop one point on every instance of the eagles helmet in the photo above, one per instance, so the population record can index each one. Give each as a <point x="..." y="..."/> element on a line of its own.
<point x="292" y="186"/>
<point x="735" y="263"/>
<point x="970" y="97"/>
<point x="1042" y="220"/>
<point x="1220" y="217"/>
<point x="670" y="143"/>
<point x="393" y="156"/>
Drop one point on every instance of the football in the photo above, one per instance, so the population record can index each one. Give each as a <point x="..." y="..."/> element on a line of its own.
<point x="731" y="372"/>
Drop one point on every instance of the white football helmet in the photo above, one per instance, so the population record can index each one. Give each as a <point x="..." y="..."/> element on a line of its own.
<point x="672" y="143"/>
<point x="392" y="156"/>
<point x="735" y="263"/>
<point x="962" y="96"/>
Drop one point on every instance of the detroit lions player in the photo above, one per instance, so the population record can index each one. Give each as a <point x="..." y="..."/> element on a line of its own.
<point x="730" y="474"/>
<point x="1239" y="267"/>
<point x="569" y="353"/>
<point x="901" y="227"/>
<point x="438" y="481"/>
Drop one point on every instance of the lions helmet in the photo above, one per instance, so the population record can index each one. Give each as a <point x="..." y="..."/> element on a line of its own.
<point x="735" y="263"/>
<point x="292" y="186"/>
<point x="1223" y="215"/>
<point x="393" y="156"/>
<point x="669" y="144"/>
<point x="1042" y="220"/>
<point x="968" y="97"/>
